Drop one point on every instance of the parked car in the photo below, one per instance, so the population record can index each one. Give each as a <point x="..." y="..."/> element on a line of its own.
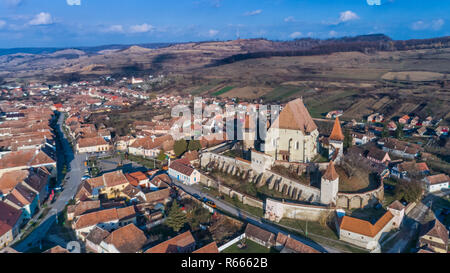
<point x="85" y="177"/>
<point x="211" y="204"/>
<point x="58" y="189"/>
<point x="197" y="196"/>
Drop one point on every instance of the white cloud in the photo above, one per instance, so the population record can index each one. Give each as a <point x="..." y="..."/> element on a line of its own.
<point x="289" y="19"/>
<point x="74" y="2"/>
<point x="434" y="25"/>
<point x="115" y="28"/>
<point x="213" y="32"/>
<point x="295" y="34"/>
<point x="141" y="28"/>
<point x="11" y="3"/>
<point x="419" y="25"/>
<point x="43" y="18"/>
<point x="255" y="12"/>
<point x="437" y="24"/>
<point x="333" y="33"/>
<point x="348" y="16"/>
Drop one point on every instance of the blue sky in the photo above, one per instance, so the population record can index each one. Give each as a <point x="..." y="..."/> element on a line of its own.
<point x="65" y="23"/>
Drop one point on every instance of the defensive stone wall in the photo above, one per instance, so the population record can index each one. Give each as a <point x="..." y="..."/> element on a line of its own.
<point x="277" y="210"/>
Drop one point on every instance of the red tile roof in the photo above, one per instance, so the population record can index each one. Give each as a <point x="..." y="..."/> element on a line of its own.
<point x="184" y="240"/>
<point x="438" y="179"/>
<point x="211" y="248"/>
<point x="181" y="168"/>
<point x="330" y="174"/>
<point x="337" y="134"/>
<point x="364" y="227"/>
<point x="295" y="116"/>
<point x="128" y="239"/>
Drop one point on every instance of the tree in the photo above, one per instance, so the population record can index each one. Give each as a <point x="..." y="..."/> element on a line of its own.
<point x="410" y="191"/>
<point x="385" y="132"/>
<point x="180" y="147"/>
<point x="161" y="155"/>
<point x="194" y="145"/>
<point x="177" y="218"/>
<point x="348" y="140"/>
<point x="399" y="131"/>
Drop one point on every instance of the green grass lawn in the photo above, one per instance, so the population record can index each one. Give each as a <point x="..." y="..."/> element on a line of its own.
<point x="319" y="234"/>
<point x="282" y="93"/>
<point x="252" y="247"/>
<point x="148" y="163"/>
<point x="223" y="90"/>
<point x="313" y="227"/>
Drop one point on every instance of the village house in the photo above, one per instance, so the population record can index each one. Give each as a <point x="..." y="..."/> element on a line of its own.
<point x="22" y="198"/>
<point x="150" y="146"/>
<point x="26" y="159"/>
<point x="361" y="139"/>
<point x="10" y="221"/>
<point x="141" y="180"/>
<point x="183" y="243"/>
<point x="404" y="120"/>
<point x="286" y="244"/>
<point x="108" y="219"/>
<point x="400" y="148"/>
<point x="209" y="248"/>
<point x="109" y="184"/>
<point x="378" y="156"/>
<point x="437" y="182"/>
<point x="127" y="239"/>
<point x="442" y="131"/>
<point x="161" y="196"/>
<point x="392" y="126"/>
<point x="95" y="238"/>
<point x="362" y="233"/>
<point x="56" y="250"/>
<point x="9" y="180"/>
<point x="398" y="211"/>
<point x="433" y="236"/>
<point x="92" y="145"/>
<point x="81" y="208"/>
<point x="184" y="173"/>
<point x="260" y="236"/>
<point x="422" y="130"/>
<point x="412" y="168"/>
<point x="123" y="143"/>
<point x="376" y="117"/>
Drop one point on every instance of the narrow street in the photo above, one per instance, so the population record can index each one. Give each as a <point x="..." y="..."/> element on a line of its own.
<point x="73" y="180"/>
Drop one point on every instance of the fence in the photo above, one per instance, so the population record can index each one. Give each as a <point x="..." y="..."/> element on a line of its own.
<point x="232" y="242"/>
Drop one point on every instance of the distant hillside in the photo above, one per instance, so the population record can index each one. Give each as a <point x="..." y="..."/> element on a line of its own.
<point x="181" y="57"/>
<point x="89" y="50"/>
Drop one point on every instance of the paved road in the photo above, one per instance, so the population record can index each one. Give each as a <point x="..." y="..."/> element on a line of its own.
<point x="250" y="218"/>
<point x="73" y="180"/>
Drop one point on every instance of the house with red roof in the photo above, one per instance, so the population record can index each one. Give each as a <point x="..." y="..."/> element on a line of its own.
<point x="184" y="173"/>
<point x="363" y="233"/>
<point x="10" y="221"/>
<point x="437" y="182"/>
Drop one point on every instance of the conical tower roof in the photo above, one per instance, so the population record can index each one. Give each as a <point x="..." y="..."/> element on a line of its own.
<point x="337" y="134"/>
<point x="330" y="174"/>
